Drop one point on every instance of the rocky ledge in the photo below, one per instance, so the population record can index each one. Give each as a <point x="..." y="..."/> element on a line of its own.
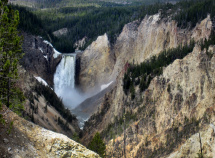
<point x="29" y="140"/>
<point x="41" y="58"/>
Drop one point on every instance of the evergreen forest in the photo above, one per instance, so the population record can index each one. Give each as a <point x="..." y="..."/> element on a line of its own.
<point x="82" y="19"/>
<point x="90" y="19"/>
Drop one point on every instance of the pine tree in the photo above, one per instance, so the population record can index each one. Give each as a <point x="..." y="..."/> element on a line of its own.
<point x="10" y="54"/>
<point x="97" y="145"/>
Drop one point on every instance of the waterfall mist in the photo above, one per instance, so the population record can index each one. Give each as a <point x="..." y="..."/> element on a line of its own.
<point x="64" y="82"/>
<point x="64" y="87"/>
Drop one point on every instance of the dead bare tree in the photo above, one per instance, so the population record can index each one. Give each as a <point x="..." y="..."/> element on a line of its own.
<point x="200" y="141"/>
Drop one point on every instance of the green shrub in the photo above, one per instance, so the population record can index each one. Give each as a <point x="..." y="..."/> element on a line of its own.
<point x="97" y="145"/>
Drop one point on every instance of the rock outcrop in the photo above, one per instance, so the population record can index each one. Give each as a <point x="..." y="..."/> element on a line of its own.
<point x="29" y="140"/>
<point x="80" y="43"/>
<point x="38" y="109"/>
<point x="40" y="58"/>
<point x="61" y="32"/>
<point x="176" y="102"/>
<point x="96" y="63"/>
<point x="137" y="42"/>
<point x="177" y="105"/>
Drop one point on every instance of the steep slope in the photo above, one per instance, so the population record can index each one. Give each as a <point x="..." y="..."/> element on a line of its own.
<point x="42" y="106"/>
<point x="96" y="63"/>
<point x="137" y="42"/>
<point x="29" y="140"/>
<point x="40" y="58"/>
<point x="156" y="115"/>
<point x="176" y="105"/>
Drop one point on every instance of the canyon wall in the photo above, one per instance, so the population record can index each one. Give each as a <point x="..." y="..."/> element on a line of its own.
<point x="96" y="63"/>
<point x="176" y="104"/>
<point x="40" y="58"/>
<point x="138" y="41"/>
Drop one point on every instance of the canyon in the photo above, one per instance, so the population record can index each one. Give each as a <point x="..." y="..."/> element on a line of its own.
<point x="171" y="98"/>
<point x="168" y="119"/>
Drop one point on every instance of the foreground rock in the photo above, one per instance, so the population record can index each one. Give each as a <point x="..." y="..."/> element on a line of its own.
<point x="30" y="140"/>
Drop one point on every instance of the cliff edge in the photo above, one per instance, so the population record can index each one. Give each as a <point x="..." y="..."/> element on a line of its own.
<point x="29" y="140"/>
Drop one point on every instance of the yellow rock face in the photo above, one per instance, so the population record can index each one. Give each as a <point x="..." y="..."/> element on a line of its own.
<point x="35" y="141"/>
<point x="191" y="82"/>
<point x="97" y="63"/>
<point x="137" y="42"/>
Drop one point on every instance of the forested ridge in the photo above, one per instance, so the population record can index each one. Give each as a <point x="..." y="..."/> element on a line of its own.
<point x="81" y="3"/>
<point x="94" y="18"/>
<point x="188" y="14"/>
<point x="90" y="19"/>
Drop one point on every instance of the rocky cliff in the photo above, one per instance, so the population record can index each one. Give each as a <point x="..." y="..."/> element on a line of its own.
<point x="29" y="140"/>
<point x="40" y="58"/>
<point x="40" y="109"/>
<point x="138" y="41"/>
<point x="96" y="63"/>
<point x="175" y="107"/>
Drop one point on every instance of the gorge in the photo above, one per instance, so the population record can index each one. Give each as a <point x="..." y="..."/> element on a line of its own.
<point x="64" y="86"/>
<point x="148" y="91"/>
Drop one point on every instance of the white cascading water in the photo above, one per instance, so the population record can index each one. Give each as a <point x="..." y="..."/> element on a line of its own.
<point x="64" y="81"/>
<point x="64" y="86"/>
<point x="65" y="74"/>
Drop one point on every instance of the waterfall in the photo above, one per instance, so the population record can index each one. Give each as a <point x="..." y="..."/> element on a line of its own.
<point x="64" y="86"/>
<point x="65" y="74"/>
<point x="64" y="79"/>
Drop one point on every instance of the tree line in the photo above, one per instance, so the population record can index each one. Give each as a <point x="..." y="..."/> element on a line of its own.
<point x="142" y="74"/>
<point x="56" y="102"/>
<point x="10" y="54"/>
<point x="88" y="21"/>
<point x="91" y="21"/>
